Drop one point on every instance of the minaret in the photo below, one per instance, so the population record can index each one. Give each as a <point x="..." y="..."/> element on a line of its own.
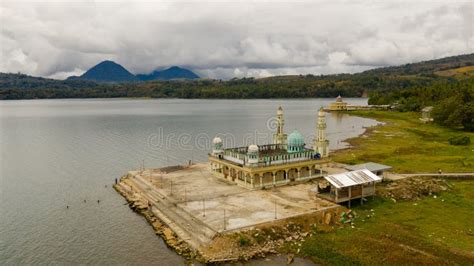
<point x="321" y="145"/>
<point x="280" y="137"/>
<point x="217" y="150"/>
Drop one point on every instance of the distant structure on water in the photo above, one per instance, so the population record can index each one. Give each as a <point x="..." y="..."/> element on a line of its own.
<point x="340" y="105"/>
<point x="286" y="160"/>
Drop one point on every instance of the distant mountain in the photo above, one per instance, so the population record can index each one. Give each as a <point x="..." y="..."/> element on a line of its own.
<point x="170" y="73"/>
<point x="107" y="71"/>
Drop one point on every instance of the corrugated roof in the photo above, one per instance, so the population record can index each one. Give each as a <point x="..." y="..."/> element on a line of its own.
<point x="374" y="167"/>
<point x="352" y="178"/>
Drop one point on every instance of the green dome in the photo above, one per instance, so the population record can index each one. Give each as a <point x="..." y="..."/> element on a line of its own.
<point x="295" y="139"/>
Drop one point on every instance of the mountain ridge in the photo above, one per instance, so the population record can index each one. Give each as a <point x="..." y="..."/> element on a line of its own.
<point x="397" y="78"/>
<point x="107" y="71"/>
<point x="170" y="73"/>
<point x="111" y="72"/>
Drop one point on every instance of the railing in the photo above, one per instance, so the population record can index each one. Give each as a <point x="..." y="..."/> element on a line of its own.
<point x="284" y="181"/>
<point x="283" y="162"/>
<point x="309" y="177"/>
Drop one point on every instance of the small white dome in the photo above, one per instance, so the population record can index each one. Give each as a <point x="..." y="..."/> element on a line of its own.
<point x="253" y="148"/>
<point x="217" y="140"/>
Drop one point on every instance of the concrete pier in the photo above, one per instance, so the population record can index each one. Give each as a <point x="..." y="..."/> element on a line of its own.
<point x="191" y="202"/>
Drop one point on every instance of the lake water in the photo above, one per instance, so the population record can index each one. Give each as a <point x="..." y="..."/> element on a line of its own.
<point x="56" y="153"/>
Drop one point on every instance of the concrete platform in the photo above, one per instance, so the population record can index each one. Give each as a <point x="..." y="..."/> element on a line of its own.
<point x="205" y="197"/>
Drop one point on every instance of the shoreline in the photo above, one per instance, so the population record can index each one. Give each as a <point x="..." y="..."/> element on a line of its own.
<point x="160" y="228"/>
<point x="410" y="146"/>
<point x="173" y="98"/>
<point x="351" y="142"/>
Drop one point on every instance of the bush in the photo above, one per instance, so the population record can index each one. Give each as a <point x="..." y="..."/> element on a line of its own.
<point x="244" y="241"/>
<point x="460" y="140"/>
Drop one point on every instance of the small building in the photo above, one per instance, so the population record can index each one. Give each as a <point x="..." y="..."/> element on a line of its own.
<point x="426" y="114"/>
<point x="347" y="186"/>
<point x="338" y="105"/>
<point x="375" y="168"/>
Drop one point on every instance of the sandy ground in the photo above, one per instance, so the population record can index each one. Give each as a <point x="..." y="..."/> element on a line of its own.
<point x="207" y="197"/>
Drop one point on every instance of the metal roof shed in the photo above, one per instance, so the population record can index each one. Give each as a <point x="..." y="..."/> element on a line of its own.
<point x="349" y="185"/>
<point x="375" y="168"/>
<point x="352" y="178"/>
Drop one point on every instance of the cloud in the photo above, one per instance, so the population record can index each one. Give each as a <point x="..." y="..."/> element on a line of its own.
<point x="227" y="39"/>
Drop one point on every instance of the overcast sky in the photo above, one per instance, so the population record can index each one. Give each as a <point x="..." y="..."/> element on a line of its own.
<point x="225" y="39"/>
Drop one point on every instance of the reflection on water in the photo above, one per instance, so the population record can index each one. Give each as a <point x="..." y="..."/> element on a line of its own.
<point x="58" y="153"/>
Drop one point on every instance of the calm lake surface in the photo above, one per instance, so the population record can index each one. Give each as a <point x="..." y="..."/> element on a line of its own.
<point x="56" y="153"/>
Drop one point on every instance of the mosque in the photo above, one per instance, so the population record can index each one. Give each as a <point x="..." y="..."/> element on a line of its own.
<point x="286" y="160"/>
<point x="338" y="105"/>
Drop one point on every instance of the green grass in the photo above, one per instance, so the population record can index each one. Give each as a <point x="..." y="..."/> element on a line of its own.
<point x="460" y="72"/>
<point x="408" y="145"/>
<point x="431" y="231"/>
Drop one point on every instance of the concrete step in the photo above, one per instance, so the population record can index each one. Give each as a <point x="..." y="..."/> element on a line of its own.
<point x="181" y="222"/>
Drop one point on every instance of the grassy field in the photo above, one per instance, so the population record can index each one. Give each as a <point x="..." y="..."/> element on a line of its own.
<point x="408" y="145"/>
<point x="432" y="231"/>
<point x="461" y="72"/>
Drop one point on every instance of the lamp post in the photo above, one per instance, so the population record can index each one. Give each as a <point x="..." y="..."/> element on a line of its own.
<point x="171" y="187"/>
<point x="275" y="209"/>
<point x="224" y="219"/>
<point x="203" y="207"/>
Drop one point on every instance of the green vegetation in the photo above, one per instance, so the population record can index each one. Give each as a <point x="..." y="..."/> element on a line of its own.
<point x="244" y="241"/>
<point x="460" y="72"/>
<point x="246" y="88"/>
<point x="427" y="68"/>
<point x="460" y="140"/>
<point x="408" y="145"/>
<point x="17" y="86"/>
<point x="432" y="231"/>
<point x="453" y="102"/>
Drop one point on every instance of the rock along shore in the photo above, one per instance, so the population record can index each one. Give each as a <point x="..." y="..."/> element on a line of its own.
<point x="139" y="205"/>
